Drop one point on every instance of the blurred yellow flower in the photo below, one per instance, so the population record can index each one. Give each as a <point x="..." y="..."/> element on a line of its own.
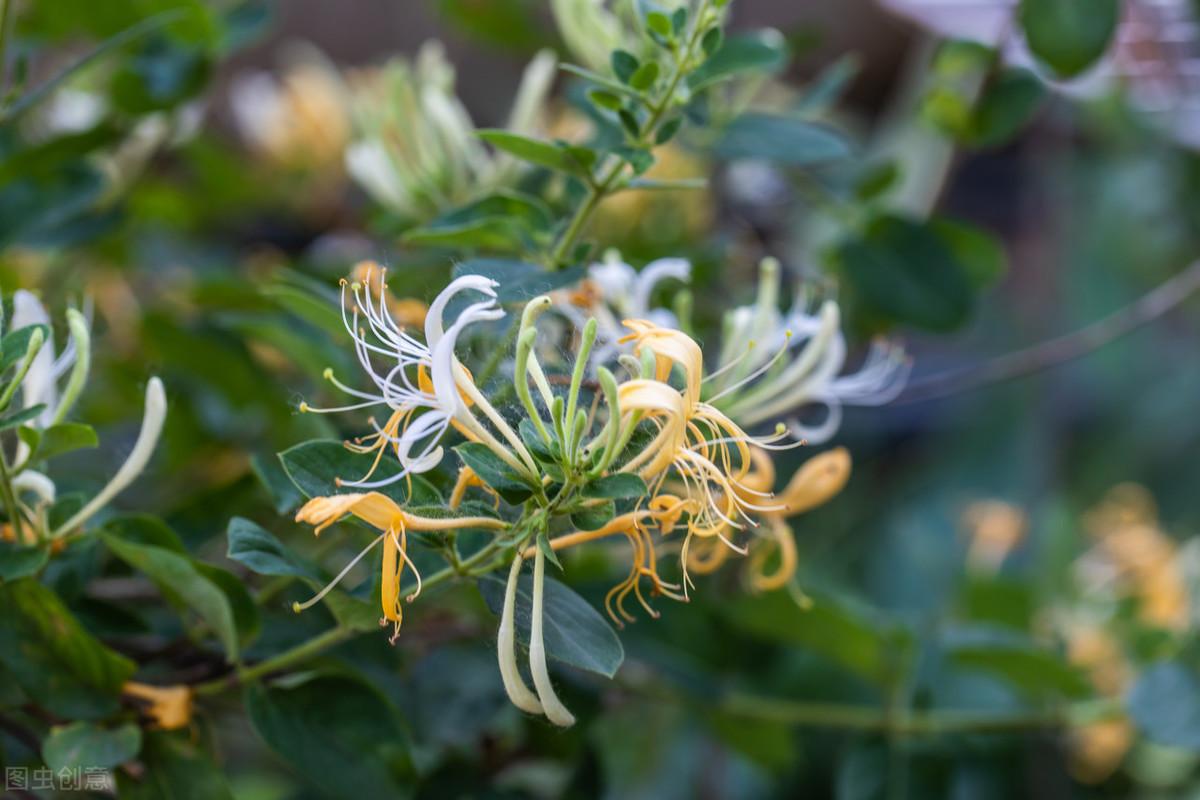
<point x="1139" y="558"/>
<point x="168" y="707"/>
<point x="994" y="528"/>
<point x="299" y="120"/>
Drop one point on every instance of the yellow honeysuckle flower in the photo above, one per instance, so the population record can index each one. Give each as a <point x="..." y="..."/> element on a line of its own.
<point x="384" y="514"/>
<point x="818" y="480"/>
<point x="1145" y="560"/>
<point x="995" y="528"/>
<point x="697" y="445"/>
<point x="169" y="707"/>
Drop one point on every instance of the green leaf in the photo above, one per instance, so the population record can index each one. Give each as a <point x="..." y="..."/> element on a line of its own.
<point x="315" y="467"/>
<point x="711" y="41"/>
<point x="759" y="52"/>
<point x="34" y="96"/>
<point x="902" y="271"/>
<point x="875" y="180"/>
<point x="503" y="220"/>
<point x="177" y="578"/>
<point x="824" y="91"/>
<point x="245" y="611"/>
<point x="64" y="437"/>
<point x="271" y="474"/>
<point x="574" y="632"/>
<point x="1007" y="104"/>
<point x="543" y="544"/>
<point x="593" y="518"/>
<point x="352" y="613"/>
<point x="535" y="151"/>
<point x="659" y="23"/>
<point x="603" y="99"/>
<point x="338" y="732"/>
<point x="645" y="76"/>
<point x="15" y="343"/>
<point x="1165" y="704"/>
<point x="83" y="745"/>
<point x="787" y="140"/>
<point x="1013" y="657"/>
<point x="18" y="417"/>
<point x="175" y="769"/>
<point x="667" y="131"/>
<point x="980" y="254"/>
<point x="53" y="659"/>
<point x="494" y="472"/>
<point x="260" y="551"/>
<point x="1069" y="35"/>
<point x="856" y="638"/>
<point x="617" y="486"/>
<point x="519" y="281"/>
<point x="624" y="64"/>
<point x="20" y="561"/>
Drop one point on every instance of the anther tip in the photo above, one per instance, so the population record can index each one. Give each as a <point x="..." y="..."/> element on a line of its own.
<point x="296" y="607"/>
<point x="327" y="374"/>
<point x="337" y="482"/>
<point x="303" y="407"/>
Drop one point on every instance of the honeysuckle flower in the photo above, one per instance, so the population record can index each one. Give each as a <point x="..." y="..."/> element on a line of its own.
<point x="298" y="120"/>
<point x="422" y="383"/>
<point x="143" y="448"/>
<point x="384" y="514"/>
<point x="995" y="529"/>
<point x="415" y="148"/>
<point x="40" y="385"/>
<point x="817" y="481"/>
<point x="168" y="707"/>
<point x="774" y="367"/>
<point x="1133" y="557"/>
<point x="1097" y="748"/>
<point x="696" y="444"/>
<point x="614" y="291"/>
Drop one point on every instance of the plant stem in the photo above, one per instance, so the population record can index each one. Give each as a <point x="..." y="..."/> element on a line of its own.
<point x="1068" y="347"/>
<point x="301" y="652"/>
<point x="916" y="723"/>
<point x="598" y="190"/>
<point x="10" y="501"/>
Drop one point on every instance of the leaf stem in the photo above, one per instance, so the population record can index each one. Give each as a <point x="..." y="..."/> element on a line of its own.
<point x="916" y="723"/>
<point x="10" y="501"/>
<point x="598" y="190"/>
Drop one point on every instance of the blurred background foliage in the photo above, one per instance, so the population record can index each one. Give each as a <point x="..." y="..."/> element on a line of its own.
<point x="1002" y="601"/>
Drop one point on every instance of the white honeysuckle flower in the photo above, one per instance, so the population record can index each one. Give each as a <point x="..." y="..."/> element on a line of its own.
<point x="422" y="383"/>
<point x="414" y="147"/>
<point x="40" y="384"/>
<point x="774" y="366"/>
<point x="613" y="292"/>
<point x="152" y="423"/>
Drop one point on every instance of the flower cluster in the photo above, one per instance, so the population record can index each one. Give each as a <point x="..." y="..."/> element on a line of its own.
<point x="47" y="385"/>
<point x="632" y="442"/>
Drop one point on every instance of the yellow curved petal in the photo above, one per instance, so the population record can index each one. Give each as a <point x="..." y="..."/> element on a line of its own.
<point x="821" y="477"/>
